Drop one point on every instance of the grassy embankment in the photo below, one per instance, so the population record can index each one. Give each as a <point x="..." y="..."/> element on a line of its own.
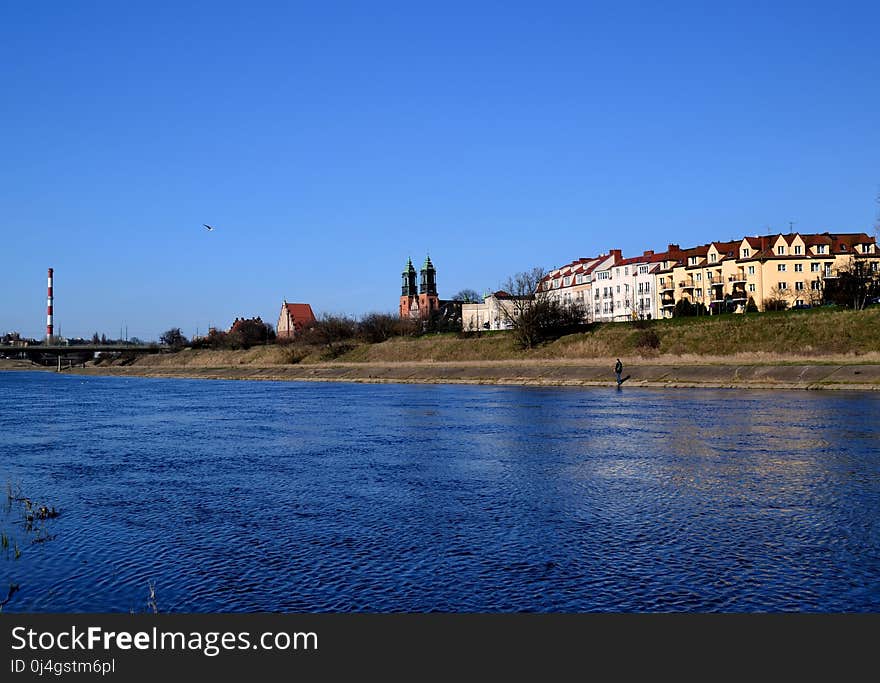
<point x="813" y="336"/>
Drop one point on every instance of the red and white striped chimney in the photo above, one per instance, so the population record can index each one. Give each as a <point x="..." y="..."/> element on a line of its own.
<point x="49" y="325"/>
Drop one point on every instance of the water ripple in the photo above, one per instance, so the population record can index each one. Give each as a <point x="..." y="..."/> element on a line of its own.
<point x="246" y="496"/>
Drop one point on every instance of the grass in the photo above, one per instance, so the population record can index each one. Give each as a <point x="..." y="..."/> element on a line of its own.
<point x="818" y="335"/>
<point x="810" y="334"/>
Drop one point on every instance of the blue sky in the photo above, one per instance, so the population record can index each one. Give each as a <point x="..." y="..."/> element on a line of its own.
<point x="328" y="142"/>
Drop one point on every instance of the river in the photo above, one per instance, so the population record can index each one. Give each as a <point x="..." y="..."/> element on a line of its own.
<point x="303" y="497"/>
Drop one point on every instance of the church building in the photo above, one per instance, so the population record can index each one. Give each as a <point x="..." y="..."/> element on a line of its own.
<point x="421" y="303"/>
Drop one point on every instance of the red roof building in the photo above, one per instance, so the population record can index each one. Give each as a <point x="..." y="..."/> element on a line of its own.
<point x="292" y="319"/>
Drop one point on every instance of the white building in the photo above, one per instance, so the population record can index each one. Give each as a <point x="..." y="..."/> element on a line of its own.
<point x="634" y="283"/>
<point x="581" y="281"/>
<point x="495" y="313"/>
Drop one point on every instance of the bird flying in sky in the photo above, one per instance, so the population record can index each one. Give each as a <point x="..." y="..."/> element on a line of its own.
<point x="209" y="227"/>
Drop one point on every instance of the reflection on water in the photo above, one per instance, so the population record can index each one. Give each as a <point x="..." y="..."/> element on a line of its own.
<point x="245" y="496"/>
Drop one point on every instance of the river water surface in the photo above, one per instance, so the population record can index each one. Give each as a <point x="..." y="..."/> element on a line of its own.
<point x="278" y="497"/>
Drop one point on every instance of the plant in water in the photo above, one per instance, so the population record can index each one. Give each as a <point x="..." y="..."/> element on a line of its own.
<point x="33" y="517"/>
<point x="152" y="605"/>
<point x="13" y="589"/>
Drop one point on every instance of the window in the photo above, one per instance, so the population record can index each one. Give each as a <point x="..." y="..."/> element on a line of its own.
<point x="578" y="279"/>
<point x="781" y="267"/>
<point x="815" y="285"/>
<point x="692" y="261"/>
<point x="699" y="277"/>
<point x="751" y="288"/>
<point x="641" y="288"/>
<point x="648" y="285"/>
<point x="605" y="275"/>
<point x="783" y="285"/>
<point x="751" y="270"/>
<point x="626" y="270"/>
<point x="713" y="258"/>
<point x="799" y="302"/>
<point x="821" y="248"/>
<point x="798" y="249"/>
<point x="746" y="253"/>
<point x="843" y="247"/>
<point x="643" y="270"/>
<point x="556" y="283"/>
<point x="780" y="250"/>
<point x="814" y="267"/>
<point x="626" y="288"/>
<point x="798" y="267"/>
<point x="798" y="286"/>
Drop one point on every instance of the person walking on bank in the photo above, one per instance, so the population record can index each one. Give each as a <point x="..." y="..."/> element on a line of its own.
<point x="618" y="370"/>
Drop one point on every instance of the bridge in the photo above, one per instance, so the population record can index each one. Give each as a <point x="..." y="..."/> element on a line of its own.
<point x="46" y="354"/>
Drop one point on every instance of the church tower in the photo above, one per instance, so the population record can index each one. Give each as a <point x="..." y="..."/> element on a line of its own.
<point x="419" y="302"/>
<point x="409" y="304"/>
<point x="428" y="300"/>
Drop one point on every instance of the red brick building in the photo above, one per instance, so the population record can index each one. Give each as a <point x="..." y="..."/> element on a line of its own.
<point x="423" y="302"/>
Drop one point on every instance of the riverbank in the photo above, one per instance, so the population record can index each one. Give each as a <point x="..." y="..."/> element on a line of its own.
<point x="10" y="364"/>
<point x="667" y="374"/>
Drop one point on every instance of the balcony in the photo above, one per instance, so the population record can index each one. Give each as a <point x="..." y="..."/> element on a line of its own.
<point x="686" y="284"/>
<point x="667" y="288"/>
<point x="738" y="277"/>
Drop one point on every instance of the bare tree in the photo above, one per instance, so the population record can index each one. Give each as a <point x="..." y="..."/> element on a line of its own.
<point x="468" y="296"/>
<point x="173" y="338"/>
<point x="812" y="294"/>
<point x="335" y="332"/>
<point x="377" y="327"/>
<point x="521" y="309"/>
<point x="857" y="282"/>
<point x="532" y="313"/>
<point x="778" y="300"/>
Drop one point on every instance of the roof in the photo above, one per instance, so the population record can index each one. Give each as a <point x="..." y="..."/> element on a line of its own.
<point x="301" y="313"/>
<point x="646" y="258"/>
<point x="837" y="243"/>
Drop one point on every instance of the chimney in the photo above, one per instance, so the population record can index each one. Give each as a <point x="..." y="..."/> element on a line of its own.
<point x="673" y="248"/>
<point x="648" y="252"/>
<point x="616" y="253"/>
<point x="49" y="317"/>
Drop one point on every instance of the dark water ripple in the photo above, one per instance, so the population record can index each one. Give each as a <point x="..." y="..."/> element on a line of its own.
<point x="245" y="496"/>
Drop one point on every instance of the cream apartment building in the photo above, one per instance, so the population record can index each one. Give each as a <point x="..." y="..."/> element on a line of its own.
<point x="791" y="268"/>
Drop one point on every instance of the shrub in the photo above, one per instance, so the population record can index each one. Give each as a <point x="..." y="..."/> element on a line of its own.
<point x="647" y="339"/>
<point x="774" y="304"/>
<point x="378" y="327"/>
<point x="294" y="353"/>
<point x="684" y="308"/>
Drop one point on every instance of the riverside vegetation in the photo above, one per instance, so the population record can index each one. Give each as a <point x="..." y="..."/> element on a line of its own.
<point x="813" y="335"/>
